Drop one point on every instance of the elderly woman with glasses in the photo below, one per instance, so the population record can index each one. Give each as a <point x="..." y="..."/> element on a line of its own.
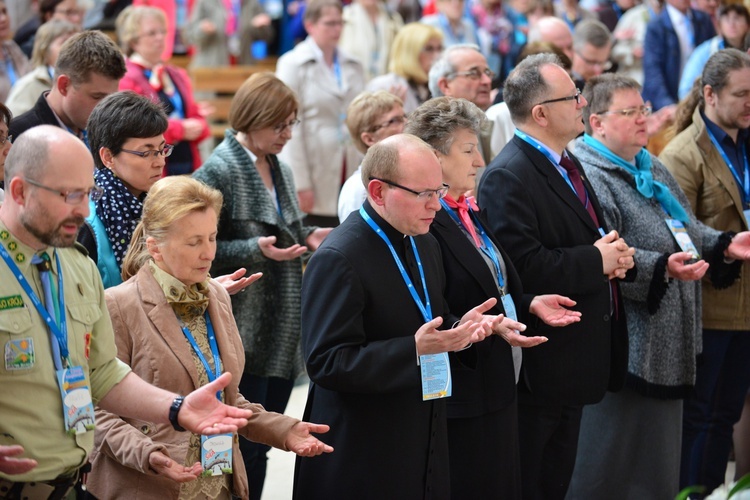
<point x="370" y="118"/>
<point x="629" y="445"/>
<point x="142" y="32"/>
<point x="482" y="420"/>
<point x="261" y="229"/>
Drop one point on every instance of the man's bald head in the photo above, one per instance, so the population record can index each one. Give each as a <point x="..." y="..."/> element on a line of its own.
<point x="382" y="159"/>
<point x="555" y="31"/>
<point x="30" y="154"/>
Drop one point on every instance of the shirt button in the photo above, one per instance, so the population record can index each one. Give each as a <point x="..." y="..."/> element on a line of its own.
<point x="606" y="317"/>
<point x="15" y="326"/>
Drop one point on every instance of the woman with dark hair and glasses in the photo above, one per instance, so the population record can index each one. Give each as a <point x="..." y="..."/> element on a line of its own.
<point x="260" y="228"/>
<point x="629" y="445"/>
<point x="126" y="137"/>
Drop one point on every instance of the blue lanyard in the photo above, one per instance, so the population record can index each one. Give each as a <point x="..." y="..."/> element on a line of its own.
<point x="488" y="249"/>
<point x="60" y="333"/>
<point x="617" y="9"/>
<point x="425" y="308"/>
<point x="552" y="160"/>
<point x="214" y="350"/>
<point x="745" y="191"/>
<point x="11" y="71"/>
<point x="337" y="71"/>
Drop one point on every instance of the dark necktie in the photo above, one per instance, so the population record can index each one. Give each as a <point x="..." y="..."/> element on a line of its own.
<point x="575" y="178"/>
<point x="43" y="264"/>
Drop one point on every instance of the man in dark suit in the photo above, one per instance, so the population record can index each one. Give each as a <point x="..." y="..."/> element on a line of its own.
<point x="549" y="220"/>
<point x="372" y="306"/>
<point x="88" y="69"/>
<point x="670" y="38"/>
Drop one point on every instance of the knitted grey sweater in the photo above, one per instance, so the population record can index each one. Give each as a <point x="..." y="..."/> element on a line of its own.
<point x="268" y="313"/>
<point x="663" y="318"/>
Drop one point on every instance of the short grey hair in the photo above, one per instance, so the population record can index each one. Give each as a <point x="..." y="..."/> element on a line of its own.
<point x="437" y="120"/>
<point x="591" y="32"/>
<point x="525" y="86"/>
<point x="444" y="66"/>
<point x="29" y="155"/>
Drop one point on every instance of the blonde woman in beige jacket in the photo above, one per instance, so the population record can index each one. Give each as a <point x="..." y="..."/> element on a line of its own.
<point x="164" y="316"/>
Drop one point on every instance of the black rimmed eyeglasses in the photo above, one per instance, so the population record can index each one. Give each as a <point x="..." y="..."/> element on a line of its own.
<point x="71" y="197"/>
<point x="165" y="151"/>
<point x="576" y="97"/>
<point x="422" y="195"/>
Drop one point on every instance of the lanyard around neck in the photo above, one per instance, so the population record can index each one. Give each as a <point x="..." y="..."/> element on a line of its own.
<point x="424" y="307"/>
<point x="531" y="141"/>
<point x="745" y="189"/>
<point x="59" y="332"/>
<point x="216" y="373"/>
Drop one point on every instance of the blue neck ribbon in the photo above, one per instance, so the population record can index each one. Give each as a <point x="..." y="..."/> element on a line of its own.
<point x="644" y="180"/>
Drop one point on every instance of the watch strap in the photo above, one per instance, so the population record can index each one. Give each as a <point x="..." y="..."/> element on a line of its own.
<point x="174" y="410"/>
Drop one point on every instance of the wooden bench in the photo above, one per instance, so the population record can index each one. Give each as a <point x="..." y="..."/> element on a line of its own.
<point x="219" y="85"/>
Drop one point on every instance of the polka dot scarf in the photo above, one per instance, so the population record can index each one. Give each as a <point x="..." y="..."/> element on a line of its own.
<point x="118" y="210"/>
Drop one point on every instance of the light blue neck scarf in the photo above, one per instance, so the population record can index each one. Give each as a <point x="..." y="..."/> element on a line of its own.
<point x="644" y="180"/>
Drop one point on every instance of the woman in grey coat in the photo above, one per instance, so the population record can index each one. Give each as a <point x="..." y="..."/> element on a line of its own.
<point x="260" y="228"/>
<point x="629" y="445"/>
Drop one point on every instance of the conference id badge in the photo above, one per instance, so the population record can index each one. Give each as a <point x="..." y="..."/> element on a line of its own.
<point x="682" y="237"/>
<point x="78" y="409"/>
<point x="509" y="306"/>
<point x="216" y="454"/>
<point x="436" y="376"/>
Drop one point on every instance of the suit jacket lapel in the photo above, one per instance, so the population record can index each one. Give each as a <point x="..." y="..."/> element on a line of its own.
<point x="716" y="164"/>
<point x="557" y="182"/>
<point x="465" y="253"/>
